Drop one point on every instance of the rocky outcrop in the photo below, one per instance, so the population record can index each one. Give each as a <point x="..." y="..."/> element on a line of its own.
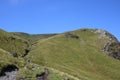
<point x="69" y="35"/>
<point x="112" y="46"/>
<point x="105" y="34"/>
<point x="9" y="76"/>
<point x="43" y="76"/>
<point x="8" y="72"/>
<point x="113" y="49"/>
<point x="8" y="68"/>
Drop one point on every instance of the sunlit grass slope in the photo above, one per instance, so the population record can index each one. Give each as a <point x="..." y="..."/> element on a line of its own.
<point x="12" y="43"/>
<point x="7" y="59"/>
<point x="82" y="58"/>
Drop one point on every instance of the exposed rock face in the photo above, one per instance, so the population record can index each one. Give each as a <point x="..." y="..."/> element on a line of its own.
<point x="113" y="49"/>
<point x="112" y="46"/>
<point x="9" y="76"/>
<point x="43" y="76"/>
<point x="8" y="72"/>
<point x="8" y="68"/>
<point x="69" y="35"/>
<point x="104" y="34"/>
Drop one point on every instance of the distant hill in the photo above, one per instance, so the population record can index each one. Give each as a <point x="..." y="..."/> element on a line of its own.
<point x="32" y="37"/>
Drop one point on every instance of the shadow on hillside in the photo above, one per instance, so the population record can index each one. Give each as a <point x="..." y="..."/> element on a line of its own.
<point x="8" y="68"/>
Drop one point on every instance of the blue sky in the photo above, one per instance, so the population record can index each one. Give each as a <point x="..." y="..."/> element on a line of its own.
<point x="56" y="16"/>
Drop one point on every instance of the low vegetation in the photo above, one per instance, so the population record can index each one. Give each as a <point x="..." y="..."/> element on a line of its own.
<point x="81" y="57"/>
<point x="12" y="43"/>
<point x="74" y="55"/>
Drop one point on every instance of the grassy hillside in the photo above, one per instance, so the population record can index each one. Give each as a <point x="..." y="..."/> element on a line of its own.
<point x="12" y="43"/>
<point x="78" y="53"/>
<point x="9" y="63"/>
<point x="6" y="59"/>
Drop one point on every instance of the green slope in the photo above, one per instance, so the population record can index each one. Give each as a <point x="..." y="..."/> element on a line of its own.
<point x="12" y="43"/>
<point x="7" y="59"/>
<point x="80" y="57"/>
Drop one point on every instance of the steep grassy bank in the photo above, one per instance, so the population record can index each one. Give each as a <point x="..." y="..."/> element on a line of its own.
<point x="12" y="47"/>
<point x="12" y="43"/>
